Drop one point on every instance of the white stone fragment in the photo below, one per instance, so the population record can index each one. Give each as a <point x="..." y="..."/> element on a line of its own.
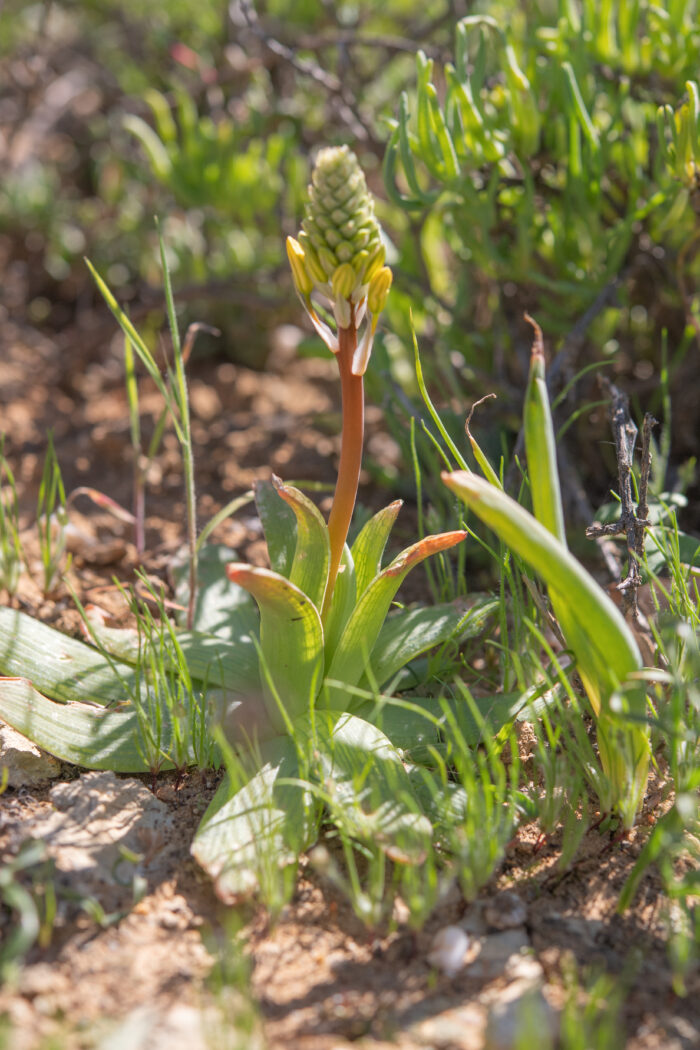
<point x="448" y="950"/>
<point x="26" y="764"/>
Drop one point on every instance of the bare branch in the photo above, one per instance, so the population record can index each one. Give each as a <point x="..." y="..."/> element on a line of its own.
<point x="632" y="522"/>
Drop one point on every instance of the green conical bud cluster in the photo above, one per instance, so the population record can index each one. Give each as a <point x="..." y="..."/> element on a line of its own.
<point x="340" y="253"/>
<point x="340" y="226"/>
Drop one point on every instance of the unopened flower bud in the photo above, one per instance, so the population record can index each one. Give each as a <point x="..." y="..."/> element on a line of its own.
<point x="312" y="262"/>
<point x="375" y="262"/>
<point x="379" y="290"/>
<point x="296" y="256"/>
<point x="344" y="281"/>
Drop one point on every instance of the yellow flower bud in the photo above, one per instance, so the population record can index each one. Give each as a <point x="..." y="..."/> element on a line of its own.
<point x="344" y="281"/>
<point x="379" y="290"/>
<point x="311" y="261"/>
<point x="302" y="280"/>
<point x="376" y="261"/>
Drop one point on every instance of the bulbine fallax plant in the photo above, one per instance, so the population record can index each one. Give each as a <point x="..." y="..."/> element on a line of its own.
<point x="289" y="691"/>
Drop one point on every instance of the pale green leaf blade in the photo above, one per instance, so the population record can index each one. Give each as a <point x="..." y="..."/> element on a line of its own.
<point x="363" y="627"/>
<point x="415" y="724"/>
<point x="61" y="667"/>
<point x="279" y="526"/>
<point x="291" y="641"/>
<point x="369" y="792"/>
<point x="409" y="632"/>
<point x="342" y="603"/>
<point x="210" y="659"/>
<point x="220" y="608"/>
<point x="368" y="548"/>
<point x="312" y="552"/>
<point x="86" y="736"/>
<point x="610" y="648"/>
<point x="265" y="824"/>
<point x="540" y="444"/>
<point x="156" y="151"/>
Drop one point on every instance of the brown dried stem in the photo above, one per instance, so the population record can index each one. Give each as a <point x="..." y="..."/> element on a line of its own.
<point x="632" y="522"/>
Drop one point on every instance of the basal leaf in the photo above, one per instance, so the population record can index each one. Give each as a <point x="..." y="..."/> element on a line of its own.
<point x="264" y="825"/>
<point x="220" y="608"/>
<point x="59" y="666"/>
<point x="279" y="526"/>
<point x="368" y="548"/>
<point x="309" y="570"/>
<point x="415" y="724"/>
<point x="369" y="792"/>
<point x="605" y="649"/>
<point x="342" y="603"/>
<point x="291" y="641"/>
<point x="363" y="627"/>
<point x="409" y="632"/>
<point x="86" y="736"/>
<point x="210" y="658"/>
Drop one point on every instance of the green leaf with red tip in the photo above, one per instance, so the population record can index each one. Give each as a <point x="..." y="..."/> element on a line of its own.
<point x="312" y="551"/>
<point x="368" y="548"/>
<point x="362" y="630"/>
<point x="291" y="641"/>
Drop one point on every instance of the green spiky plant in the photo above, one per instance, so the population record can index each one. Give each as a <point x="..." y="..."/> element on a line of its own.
<point x="289" y="691"/>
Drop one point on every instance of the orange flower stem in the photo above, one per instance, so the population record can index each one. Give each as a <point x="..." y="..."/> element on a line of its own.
<point x="353" y="410"/>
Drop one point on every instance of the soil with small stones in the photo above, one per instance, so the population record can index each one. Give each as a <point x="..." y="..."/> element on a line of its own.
<point x="164" y="970"/>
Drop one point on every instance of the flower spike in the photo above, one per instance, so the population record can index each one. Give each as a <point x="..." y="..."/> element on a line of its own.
<point x="339" y="254"/>
<point x="339" y="257"/>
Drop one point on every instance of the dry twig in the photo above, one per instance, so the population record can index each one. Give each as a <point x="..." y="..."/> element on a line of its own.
<point x="632" y="522"/>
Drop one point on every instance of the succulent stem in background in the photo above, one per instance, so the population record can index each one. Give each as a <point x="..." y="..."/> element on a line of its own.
<point x="339" y="256"/>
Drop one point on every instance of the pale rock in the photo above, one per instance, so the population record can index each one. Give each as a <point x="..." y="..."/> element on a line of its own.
<point x="460" y="1028"/>
<point x="26" y="764"/>
<point x="505" y="911"/>
<point x="519" y="1010"/>
<point x="99" y="824"/>
<point x="449" y="950"/>
<point x="496" y="954"/>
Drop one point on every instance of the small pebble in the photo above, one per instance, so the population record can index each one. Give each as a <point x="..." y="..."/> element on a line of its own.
<point x="448" y="950"/>
<point x="505" y="911"/>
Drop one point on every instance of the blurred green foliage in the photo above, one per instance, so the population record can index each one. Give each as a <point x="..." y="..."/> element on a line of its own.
<point x="538" y="151"/>
<point x="537" y="155"/>
<point x="204" y="113"/>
